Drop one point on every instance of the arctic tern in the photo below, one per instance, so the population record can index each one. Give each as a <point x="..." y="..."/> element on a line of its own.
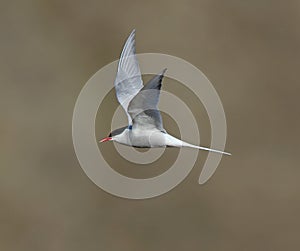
<point x="140" y="102"/>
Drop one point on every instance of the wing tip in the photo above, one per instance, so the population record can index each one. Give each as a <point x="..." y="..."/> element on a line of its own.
<point x="132" y="33"/>
<point x="130" y="42"/>
<point x="162" y="73"/>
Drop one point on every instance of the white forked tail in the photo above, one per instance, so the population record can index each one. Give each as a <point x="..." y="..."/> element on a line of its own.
<point x="204" y="148"/>
<point x="172" y="141"/>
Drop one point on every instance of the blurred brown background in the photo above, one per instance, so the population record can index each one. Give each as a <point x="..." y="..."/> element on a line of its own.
<point x="248" y="49"/>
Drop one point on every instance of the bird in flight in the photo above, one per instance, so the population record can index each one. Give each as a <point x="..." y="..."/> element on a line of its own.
<point x="145" y="127"/>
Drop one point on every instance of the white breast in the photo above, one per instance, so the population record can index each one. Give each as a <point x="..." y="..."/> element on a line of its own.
<point x="141" y="138"/>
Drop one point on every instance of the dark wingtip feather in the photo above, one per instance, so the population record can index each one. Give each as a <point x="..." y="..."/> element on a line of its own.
<point x="155" y="82"/>
<point x="162" y="73"/>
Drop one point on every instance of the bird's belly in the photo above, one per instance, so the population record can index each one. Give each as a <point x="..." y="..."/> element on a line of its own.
<point x="147" y="139"/>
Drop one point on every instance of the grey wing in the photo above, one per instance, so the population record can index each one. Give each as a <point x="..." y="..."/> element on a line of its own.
<point x="128" y="81"/>
<point x="143" y="107"/>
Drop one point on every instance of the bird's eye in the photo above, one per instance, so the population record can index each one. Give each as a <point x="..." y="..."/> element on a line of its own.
<point x="109" y="135"/>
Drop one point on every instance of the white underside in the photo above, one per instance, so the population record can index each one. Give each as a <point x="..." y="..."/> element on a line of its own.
<point x="155" y="138"/>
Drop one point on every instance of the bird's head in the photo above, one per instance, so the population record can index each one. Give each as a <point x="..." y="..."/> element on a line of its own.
<point x="114" y="135"/>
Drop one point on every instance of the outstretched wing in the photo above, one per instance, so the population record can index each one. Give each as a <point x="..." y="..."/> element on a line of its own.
<point x="143" y="107"/>
<point x="128" y="81"/>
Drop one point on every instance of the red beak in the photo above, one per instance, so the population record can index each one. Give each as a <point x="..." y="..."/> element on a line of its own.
<point x="105" y="139"/>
